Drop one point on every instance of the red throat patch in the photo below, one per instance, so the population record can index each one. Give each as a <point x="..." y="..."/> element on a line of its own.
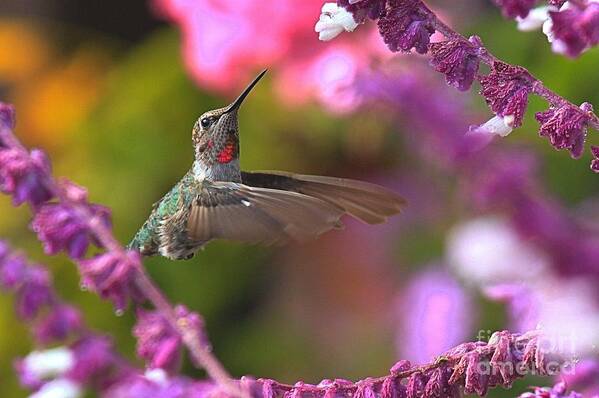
<point x="228" y="153"/>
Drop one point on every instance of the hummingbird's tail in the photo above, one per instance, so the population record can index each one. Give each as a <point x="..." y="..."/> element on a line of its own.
<point x="368" y="202"/>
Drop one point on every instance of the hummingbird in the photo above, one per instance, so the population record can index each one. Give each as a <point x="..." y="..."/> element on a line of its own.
<point x="215" y="199"/>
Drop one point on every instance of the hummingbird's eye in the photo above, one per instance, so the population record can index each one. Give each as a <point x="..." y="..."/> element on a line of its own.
<point x="205" y="122"/>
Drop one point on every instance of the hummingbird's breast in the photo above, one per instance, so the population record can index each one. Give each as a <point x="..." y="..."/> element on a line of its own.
<point x="217" y="171"/>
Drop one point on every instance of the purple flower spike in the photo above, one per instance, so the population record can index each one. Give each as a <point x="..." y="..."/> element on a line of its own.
<point x="392" y="388"/>
<point x="595" y="161"/>
<point x="501" y="356"/>
<point x="575" y="29"/>
<point x="589" y="23"/>
<point x="556" y="3"/>
<point x="400" y="366"/>
<point x="7" y="121"/>
<point x="58" y="324"/>
<point x="251" y="386"/>
<point x="267" y="388"/>
<point x="585" y="377"/>
<point x="557" y="391"/>
<point x="157" y="342"/>
<point x="13" y="270"/>
<point x="4" y="250"/>
<point x="34" y="293"/>
<point x="112" y="275"/>
<point x="476" y="381"/>
<point x="7" y="115"/>
<point x="405" y="26"/>
<point x="93" y="356"/>
<point x="415" y="386"/>
<point x="365" y="390"/>
<point x="438" y="384"/>
<point x="457" y="60"/>
<point x="59" y="228"/>
<point x="157" y="384"/>
<point x="438" y="312"/>
<point x="515" y="8"/>
<point x="565" y="127"/>
<point x="506" y="91"/>
<point x="362" y="9"/>
<point x="22" y="176"/>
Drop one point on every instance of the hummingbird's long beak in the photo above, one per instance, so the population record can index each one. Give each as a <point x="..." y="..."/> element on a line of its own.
<point x="237" y="103"/>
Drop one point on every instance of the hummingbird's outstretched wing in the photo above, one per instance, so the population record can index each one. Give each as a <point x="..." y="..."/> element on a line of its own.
<point x="232" y="211"/>
<point x="368" y="202"/>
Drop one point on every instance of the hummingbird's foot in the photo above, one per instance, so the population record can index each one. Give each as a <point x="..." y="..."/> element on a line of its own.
<point x="189" y="256"/>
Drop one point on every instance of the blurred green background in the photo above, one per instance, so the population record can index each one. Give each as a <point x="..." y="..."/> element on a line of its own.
<point x="112" y="104"/>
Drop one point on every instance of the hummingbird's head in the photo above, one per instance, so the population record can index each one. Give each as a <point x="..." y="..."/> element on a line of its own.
<point x="216" y="133"/>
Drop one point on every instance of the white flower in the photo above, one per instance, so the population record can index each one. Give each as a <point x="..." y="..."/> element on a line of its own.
<point x="535" y="19"/>
<point x="497" y="125"/>
<point x="49" y="363"/>
<point x="568" y="314"/>
<point x="548" y="29"/>
<point x="59" y="388"/>
<point x="334" y="20"/>
<point x="157" y="376"/>
<point x="488" y="251"/>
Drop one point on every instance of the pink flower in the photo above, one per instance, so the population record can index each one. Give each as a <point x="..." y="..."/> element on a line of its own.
<point x="328" y="75"/>
<point x="435" y="314"/>
<point x="225" y="40"/>
<point x="585" y="377"/>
